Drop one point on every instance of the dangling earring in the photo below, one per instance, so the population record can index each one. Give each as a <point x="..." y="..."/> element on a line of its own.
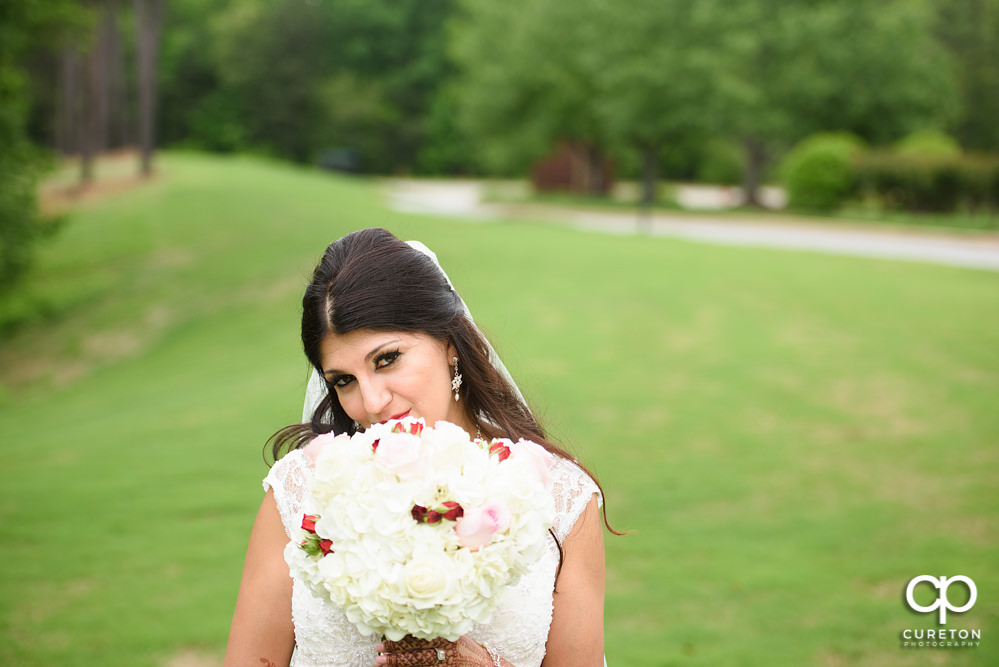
<point x="357" y="427"/>
<point x="456" y="382"/>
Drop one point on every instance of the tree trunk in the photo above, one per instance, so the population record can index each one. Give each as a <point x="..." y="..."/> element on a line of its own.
<point x="595" y="179"/>
<point x="650" y="174"/>
<point x="577" y="168"/>
<point x="104" y="45"/>
<point x="650" y="182"/>
<point x="148" y="19"/>
<point x="89" y="119"/>
<point x="119" y="133"/>
<point x="756" y="157"/>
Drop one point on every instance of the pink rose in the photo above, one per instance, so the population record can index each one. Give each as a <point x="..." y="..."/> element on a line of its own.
<point x="541" y="460"/>
<point x="401" y="454"/>
<point x="317" y="444"/>
<point x="478" y="526"/>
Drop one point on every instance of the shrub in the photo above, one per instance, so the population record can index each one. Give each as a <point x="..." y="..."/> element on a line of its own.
<point x="928" y="144"/>
<point x="19" y="224"/>
<point x="818" y="172"/>
<point x="931" y="183"/>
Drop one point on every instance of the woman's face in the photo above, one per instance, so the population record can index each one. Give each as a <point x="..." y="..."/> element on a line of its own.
<point x="381" y="375"/>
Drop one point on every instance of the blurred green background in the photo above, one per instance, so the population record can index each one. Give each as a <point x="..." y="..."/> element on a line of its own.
<point x="791" y="436"/>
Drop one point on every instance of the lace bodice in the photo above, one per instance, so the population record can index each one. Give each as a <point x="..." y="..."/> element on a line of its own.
<point x="519" y="629"/>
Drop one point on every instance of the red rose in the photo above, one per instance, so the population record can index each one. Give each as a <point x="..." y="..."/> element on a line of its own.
<point x="449" y="510"/>
<point x="454" y="511"/>
<point x="326" y="546"/>
<point x="413" y="427"/>
<point x="501" y="450"/>
<point x="374" y="445"/>
<point x="309" y="522"/>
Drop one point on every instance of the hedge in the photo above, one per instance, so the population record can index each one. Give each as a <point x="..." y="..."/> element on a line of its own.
<point x="930" y="183"/>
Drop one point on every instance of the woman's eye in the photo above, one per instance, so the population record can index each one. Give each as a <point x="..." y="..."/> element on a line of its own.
<point x="386" y="359"/>
<point x="342" y="381"/>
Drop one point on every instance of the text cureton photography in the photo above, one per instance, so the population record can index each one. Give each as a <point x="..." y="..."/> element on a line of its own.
<point x="940" y="637"/>
<point x="916" y="637"/>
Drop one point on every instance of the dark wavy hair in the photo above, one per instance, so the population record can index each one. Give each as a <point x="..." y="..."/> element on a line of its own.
<point x="369" y="279"/>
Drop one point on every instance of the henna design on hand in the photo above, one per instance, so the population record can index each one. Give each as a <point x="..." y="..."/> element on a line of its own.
<point x="412" y="652"/>
<point x="470" y="653"/>
<point x="411" y="643"/>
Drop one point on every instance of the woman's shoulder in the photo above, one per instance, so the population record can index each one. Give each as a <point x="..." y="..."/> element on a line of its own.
<point x="572" y="488"/>
<point x="288" y="478"/>
<point x="288" y="469"/>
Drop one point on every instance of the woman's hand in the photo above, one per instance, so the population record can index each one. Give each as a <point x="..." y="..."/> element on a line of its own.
<point x="413" y="652"/>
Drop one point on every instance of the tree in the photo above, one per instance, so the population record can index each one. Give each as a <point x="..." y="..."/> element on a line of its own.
<point x="799" y="67"/>
<point x="647" y="73"/>
<point x="271" y="61"/>
<point x="526" y="81"/>
<point x="970" y="31"/>
<point x="83" y="111"/>
<point x="654" y="64"/>
<point x="292" y="78"/>
<point x="197" y="106"/>
<point x="90" y="116"/>
<point x="148" y="23"/>
<point x="21" y="25"/>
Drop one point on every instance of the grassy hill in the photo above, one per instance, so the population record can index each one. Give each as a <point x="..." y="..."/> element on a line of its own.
<point x="792" y="436"/>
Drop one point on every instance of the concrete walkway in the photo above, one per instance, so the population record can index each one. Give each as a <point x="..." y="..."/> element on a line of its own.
<point x="463" y="199"/>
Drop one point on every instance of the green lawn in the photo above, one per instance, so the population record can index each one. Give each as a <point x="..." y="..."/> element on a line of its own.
<point x="792" y="436"/>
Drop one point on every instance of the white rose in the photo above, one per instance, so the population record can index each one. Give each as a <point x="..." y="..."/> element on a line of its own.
<point x="446" y="432"/>
<point x="428" y="580"/>
<point x="331" y="470"/>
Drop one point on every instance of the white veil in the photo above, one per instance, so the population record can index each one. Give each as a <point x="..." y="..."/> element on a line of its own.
<point x="315" y="391"/>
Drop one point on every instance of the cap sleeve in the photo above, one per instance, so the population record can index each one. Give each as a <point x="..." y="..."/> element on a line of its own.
<point x="572" y="489"/>
<point x="288" y="479"/>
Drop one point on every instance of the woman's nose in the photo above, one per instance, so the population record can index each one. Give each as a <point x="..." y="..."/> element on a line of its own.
<point x="375" y="396"/>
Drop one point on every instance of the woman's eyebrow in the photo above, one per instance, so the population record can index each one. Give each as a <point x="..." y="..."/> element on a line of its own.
<point x="368" y="357"/>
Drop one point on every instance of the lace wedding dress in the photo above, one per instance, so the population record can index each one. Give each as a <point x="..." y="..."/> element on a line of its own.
<point x="519" y="629"/>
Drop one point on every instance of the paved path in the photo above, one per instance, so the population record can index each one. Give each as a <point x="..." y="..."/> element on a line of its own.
<point x="463" y="199"/>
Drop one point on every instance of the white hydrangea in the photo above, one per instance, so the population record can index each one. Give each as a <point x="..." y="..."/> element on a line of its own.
<point x="395" y="572"/>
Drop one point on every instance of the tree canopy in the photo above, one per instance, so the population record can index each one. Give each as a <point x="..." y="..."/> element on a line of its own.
<point x="645" y="73"/>
<point x="453" y="86"/>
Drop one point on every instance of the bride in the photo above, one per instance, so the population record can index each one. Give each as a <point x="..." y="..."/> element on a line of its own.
<point x="389" y="337"/>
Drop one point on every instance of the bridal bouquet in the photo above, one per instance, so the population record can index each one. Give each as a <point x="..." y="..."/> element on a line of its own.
<point x="413" y="530"/>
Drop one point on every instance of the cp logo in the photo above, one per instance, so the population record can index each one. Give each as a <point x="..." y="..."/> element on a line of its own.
<point x="942" y="603"/>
